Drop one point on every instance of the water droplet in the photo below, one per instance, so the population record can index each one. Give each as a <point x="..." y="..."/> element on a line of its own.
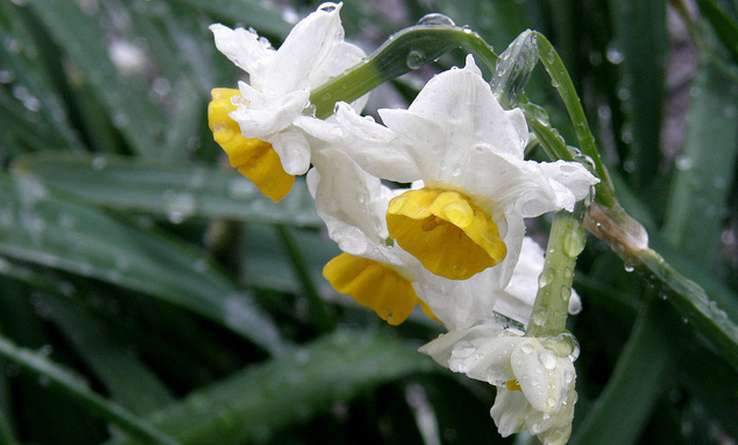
<point x="574" y="242"/>
<point x="683" y="162"/>
<point x="161" y="86"/>
<point x="545" y="279"/>
<point x="547" y="359"/>
<point x="327" y="7"/>
<point x="6" y="76"/>
<point x="629" y="267"/>
<point x="178" y="206"/>
<point x="415" y="59"/>
<point x="436" y="19"/>
<point x="99" y="162"/>
<point x="289" y="15"/>
<point x="120" y="120"/>
<point x="614" y="55"/>
<point x="565" y="293"/>
<point x="526" y="348"/>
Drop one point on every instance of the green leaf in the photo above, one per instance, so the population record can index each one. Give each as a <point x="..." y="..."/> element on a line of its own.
<point x="130" y="383"/>
<point x="724" y="26"/>
<point x="43" y="226"/>
<point x="705" y="168"/>
<point x="256" y="402"/>
<point x="175" y="190"/>
<point x="622" y="409"/>
<point x="125" y="98"/>
<point x="258" y="15"/>
<point x="642" y="37"/>
<point x="62" y="380"/>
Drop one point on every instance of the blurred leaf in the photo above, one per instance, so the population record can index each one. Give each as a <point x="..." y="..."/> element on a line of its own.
<point x="267" y="260"/>
<point x="130" y="383"/>
<point x="642" y="46"/>
<point x="125" y="98"/>
<point x="637" y="381"/>
<point x="38" y="415"/>
<point x="175" y="190"/>
<point x="6" y="434"/>
<point x="321" y="316"/>
<point x="259" y="15"/>
<point x="724" y="26"/>
<point x="23" y="57"/>
<point x="705" y="168"/>
<point x="45" y="227"/>
<point x="253" y="404"/>
<point x="60" y="379"/>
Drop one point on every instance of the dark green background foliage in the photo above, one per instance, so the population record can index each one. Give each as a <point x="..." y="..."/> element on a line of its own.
<point x="147" y="291"/>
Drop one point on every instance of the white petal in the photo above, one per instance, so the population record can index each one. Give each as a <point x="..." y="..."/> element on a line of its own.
<point x="374" y="147"/>
<point x="461" y="104"/>
<point x="531" y="374"/>
<point x="242" y="47"/>
<point x="509" y="411"/>
<point x="421" y="140"/>
<point x="459" y="304"/>
<point x="481" y="352"/>
<point x="544" y="377"/>
<point x="517" y="300"/>
<point x="293" y="150"/>
<point x="514" y="233"/>
<point x="529" y="188"/>
<point x="342" y="56"/>
<point x="261" y="115"/>
<point x="306" y="47"/>
<point x="351" y="202"/>
<point x="573" y="176"/>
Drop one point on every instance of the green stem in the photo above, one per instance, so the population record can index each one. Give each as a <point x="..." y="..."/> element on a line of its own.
<point x="565" y="242"/>
<point x="404" y="51"/>
<point x="319" y="312"/>
<point x="60" y="379"/>
<point x="561" y="80"/>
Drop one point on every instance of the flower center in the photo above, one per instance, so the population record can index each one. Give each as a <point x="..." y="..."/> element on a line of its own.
<point x="446" y="231"/>
<point x="253" y="158"/>
<point x="374" y="285"/>
<point x="512" y="385"/>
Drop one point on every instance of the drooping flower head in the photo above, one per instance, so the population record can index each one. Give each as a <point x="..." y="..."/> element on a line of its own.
<point x="535" y="377"/>
<point x="258" y="124"/>
<point x="468" y="151"/>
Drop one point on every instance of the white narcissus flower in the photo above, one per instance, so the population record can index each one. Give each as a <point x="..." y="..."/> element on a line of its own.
<point x="468" y="151"/>
<point x="353" y="204"/>
<point x="378" y="274"/>
<point x="258" y="125"/>
<point x="535" y="377"/>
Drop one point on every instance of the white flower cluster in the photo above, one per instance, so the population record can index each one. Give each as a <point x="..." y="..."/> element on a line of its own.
<point x="454" y="243"/>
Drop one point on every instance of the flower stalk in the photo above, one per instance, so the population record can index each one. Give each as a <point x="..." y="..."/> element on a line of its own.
<point x="566" y="241"/>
